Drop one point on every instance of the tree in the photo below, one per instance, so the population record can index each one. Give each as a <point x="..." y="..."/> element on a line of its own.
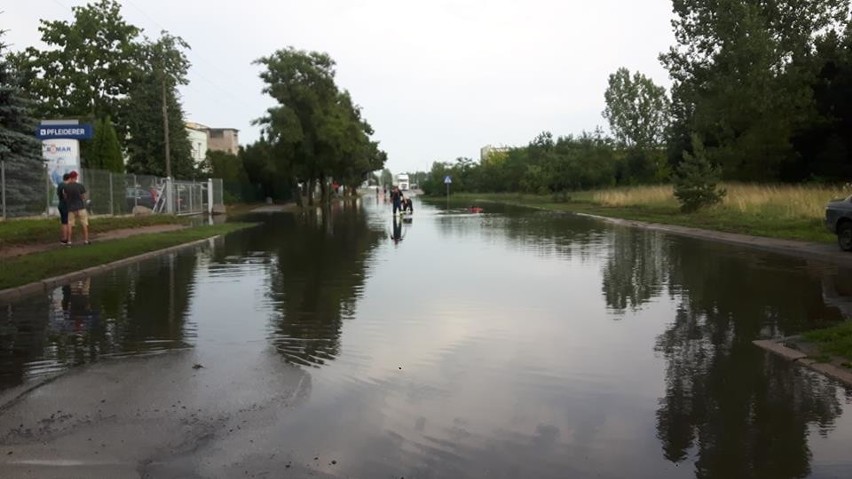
<point x="742" y="72"/>
<point x="20" y="151"/>
<point x="315" y="130"/>
<point x="87" y="69"/>
<point x="105" y="150"/>
<point x="230" y="169"/>
<point x="637" y="110"/>
<point x="386" y="178"/>
<point x="695" y="180"/>
<point x="162" y="67"/>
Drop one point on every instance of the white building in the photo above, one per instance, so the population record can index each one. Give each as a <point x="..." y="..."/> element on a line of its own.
<point x="488" y="150"/>
<point x="197" y="134"/>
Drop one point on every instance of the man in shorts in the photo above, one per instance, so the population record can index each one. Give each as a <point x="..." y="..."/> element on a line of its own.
<point x="63" y="210"/>
<point x="75" y="197"/>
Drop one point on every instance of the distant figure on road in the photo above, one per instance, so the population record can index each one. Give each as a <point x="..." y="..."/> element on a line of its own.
<point x="63" y="210"/>
<point x="396" y="199"/>
<point x="75" y="197"/>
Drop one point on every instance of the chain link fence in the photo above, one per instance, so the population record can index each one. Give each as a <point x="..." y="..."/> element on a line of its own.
<point x="28" y="193"/>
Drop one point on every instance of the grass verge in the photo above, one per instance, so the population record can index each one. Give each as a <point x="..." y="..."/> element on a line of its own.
<point x="768" y="221"/>
<point x="29" y="268"/>
<point x="46" y="230"/>
<point x="834" y="341"/>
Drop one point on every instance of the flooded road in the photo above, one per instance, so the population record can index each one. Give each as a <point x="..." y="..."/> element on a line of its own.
<point x="509" y="344"/>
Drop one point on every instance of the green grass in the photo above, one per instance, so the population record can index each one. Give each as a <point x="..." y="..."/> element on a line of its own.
<point x="834" y="341"/>
<point x="46" y="230"/>
<point x="761" y="222"/>
<point x="29" y="268"/>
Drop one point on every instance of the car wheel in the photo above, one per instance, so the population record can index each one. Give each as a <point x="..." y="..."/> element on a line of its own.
<point x="844" y="236"/>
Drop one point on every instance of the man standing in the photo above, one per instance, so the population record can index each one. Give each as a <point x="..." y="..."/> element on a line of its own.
<point x="75" y="198"/>
<point x="63" y="210"/>
<point x="396" y="199"/>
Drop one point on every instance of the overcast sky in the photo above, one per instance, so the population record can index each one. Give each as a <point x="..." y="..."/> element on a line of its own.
<point x="437" y="79"/>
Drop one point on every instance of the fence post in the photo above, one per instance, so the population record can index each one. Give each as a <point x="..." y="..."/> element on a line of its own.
<point x="191" y="190"/>
<point x="111" y="197"/>
<point x="3" y="185"/>
<point x="210" y="196"/>
<point x="170" y="196"/>
<point x="46" y="191"/>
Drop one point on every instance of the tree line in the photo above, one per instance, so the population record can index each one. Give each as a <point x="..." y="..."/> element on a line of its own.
<point x="101" y="69"/>
<point x="761" y="91"/>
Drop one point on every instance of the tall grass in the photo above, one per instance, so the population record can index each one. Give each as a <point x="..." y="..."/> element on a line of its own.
<point x="776" y="201"/>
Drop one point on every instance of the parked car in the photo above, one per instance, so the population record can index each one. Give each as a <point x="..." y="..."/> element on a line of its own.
<point x="140" y="197"/>
<point x="838" y="220"/>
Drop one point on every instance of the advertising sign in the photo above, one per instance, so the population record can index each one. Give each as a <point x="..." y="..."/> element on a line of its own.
<point x="61" y="156"/>
<point x="51" y="131"/>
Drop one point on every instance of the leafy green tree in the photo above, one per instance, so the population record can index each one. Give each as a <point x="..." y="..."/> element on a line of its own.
<point x="20" y="151"/>
<point x="235" y="180"/>
<point x="105" y="150"/>
<point x="88" y="65"/>
<point x="314" y="129"/>
<point x="696" y="179"/>
<point x="302" y="83"/>
<point x="824" y="146"/>
<point x="162" y="66"/>
<point x="386" y="177"/>
<point x="637" y="110"/>
<point x="742" y="75"/>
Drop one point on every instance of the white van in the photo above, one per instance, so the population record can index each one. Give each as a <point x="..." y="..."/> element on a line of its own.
<point x="402" y="182"/>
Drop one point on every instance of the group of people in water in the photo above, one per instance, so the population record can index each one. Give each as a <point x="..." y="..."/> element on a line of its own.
<point x="400" y="203"/>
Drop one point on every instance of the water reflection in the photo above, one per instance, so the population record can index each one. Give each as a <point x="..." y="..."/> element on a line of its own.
<point x="728" y="406"/>
<point x="133" y="310"/>
<point x="318" y="280"/>
<point x="735" y="410"/>
<point x="509" y="344"/>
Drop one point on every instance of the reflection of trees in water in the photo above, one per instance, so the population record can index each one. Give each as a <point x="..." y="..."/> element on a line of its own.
<point x="546" y="234"/>
<point x="23" y="339"/>
<point x="322" y="266"/>
<point x="745" y="413"/>
<point x="636" y="269"/>
<point x="135" y="309"/>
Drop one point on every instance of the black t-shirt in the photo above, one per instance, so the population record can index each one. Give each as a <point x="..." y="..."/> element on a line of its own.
<point x="396" y="195"/>
<point x="59" y="189"/>
<point x="74" y="196"/>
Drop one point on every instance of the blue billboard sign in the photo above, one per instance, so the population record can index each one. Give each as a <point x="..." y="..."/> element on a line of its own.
<point x="83" y="131"/>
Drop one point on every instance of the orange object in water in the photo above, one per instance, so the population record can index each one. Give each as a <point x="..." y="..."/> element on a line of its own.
<point x="476" y="209"/>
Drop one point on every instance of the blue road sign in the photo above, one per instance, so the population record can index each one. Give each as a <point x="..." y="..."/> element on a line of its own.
<point x="83" y="131"/>
<point x="448" y="179"/>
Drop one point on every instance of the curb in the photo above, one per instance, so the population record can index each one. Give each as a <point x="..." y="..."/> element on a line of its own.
<point x="775" y="245"/>
<point x="14" y="294"/>
<point x="801" y="249"/>
<point x="777" y="347"/>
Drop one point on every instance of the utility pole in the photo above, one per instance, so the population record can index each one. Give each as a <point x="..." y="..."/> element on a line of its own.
<point x="166" y="129"/>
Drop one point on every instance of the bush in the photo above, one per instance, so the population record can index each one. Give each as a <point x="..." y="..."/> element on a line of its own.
<point x="695" y="180"/>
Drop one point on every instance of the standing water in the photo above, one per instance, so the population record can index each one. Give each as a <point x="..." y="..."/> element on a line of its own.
<point x="506" y="344"/>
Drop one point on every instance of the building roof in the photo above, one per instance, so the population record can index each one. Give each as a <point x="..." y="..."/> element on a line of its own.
<point x="196" y="126"/>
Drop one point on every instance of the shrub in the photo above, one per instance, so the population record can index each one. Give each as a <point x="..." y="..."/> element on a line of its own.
<point x="695" y="181"/>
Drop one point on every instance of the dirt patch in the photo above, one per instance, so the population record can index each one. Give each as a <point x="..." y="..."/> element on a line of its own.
<point x="20" y="250"/>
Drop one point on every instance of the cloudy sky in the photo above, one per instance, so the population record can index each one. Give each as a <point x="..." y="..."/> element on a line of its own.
<point x="437" y="79"/>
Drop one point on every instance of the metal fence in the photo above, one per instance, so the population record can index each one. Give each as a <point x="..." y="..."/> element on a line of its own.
<point x="31" y="192"/>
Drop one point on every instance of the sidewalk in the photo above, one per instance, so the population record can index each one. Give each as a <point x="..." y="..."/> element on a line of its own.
<point x="20" y="250"/>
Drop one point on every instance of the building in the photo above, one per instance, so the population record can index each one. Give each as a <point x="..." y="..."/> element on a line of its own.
<point x="486" y="151"/>
<point x="197" y="134"/>
<point x="223" y="139"/>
